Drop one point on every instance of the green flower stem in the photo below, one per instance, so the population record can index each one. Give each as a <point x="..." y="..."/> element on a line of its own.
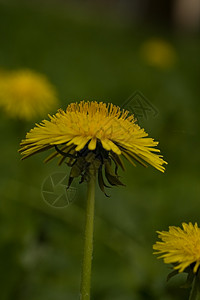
<point x="194" y="294"/>
<point x="88" y="244"/>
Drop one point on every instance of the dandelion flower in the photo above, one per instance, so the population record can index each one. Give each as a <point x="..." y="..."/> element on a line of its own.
<point x="25" y="94"/>
<point x="158" y="53"/>
<point x="180" y="247"/>
<point x="91" y="137"/>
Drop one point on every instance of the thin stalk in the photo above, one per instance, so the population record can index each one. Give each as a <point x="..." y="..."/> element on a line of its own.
<point x="88" y="243"/>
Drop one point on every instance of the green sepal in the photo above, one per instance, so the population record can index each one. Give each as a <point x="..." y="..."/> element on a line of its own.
<point x="70" y="180"/>
<point x="112" y="179"/>
<point x="101" y="182"/>
<point x="190" y="277"/>
<point x="119" y="161"/>
<point x="76" y="169"/>
<point x="172" y="274"/>
<point x="189" y="280"/>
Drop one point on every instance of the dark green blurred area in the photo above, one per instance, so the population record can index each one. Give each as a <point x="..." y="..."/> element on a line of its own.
<point x="95" y="56"/>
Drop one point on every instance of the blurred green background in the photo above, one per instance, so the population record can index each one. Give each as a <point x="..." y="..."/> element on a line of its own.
<point x="92" y="51"/>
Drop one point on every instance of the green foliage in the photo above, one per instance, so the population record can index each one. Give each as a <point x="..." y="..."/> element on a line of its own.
<point x="89" y="58"/>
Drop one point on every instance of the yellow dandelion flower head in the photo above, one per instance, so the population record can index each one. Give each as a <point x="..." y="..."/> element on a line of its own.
<point x="180" y="247"/>
<point x="158" y="53"/>
<point x="92" y="136"/>
<point x="25" y="94"/>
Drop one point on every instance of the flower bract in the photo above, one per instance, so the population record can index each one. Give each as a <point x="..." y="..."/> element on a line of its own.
<point x="91" y="137"/>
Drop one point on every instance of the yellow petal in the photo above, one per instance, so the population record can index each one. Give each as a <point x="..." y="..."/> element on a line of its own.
<point x="92" y="144"/>
<point x="105" y="144"/>
<point x="114" y="148"/>
<point x="82" y="142"/>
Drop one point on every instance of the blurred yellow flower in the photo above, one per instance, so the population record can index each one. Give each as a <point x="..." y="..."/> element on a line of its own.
<point x="180" y="247"/>
<point x="158" y="53"/>
<point x="91" y="135"/>
<point x="25" y="94"/>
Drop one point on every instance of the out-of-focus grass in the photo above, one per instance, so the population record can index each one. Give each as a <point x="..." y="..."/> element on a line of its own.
<point x="85" y="58"/>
